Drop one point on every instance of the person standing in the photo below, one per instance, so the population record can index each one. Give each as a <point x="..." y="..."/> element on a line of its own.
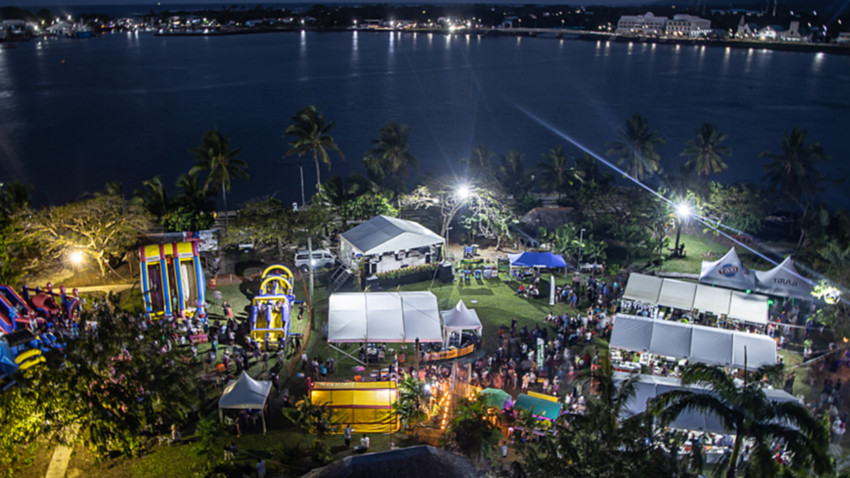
<point x="347" y="433"/>
<point x="261" y="468"/>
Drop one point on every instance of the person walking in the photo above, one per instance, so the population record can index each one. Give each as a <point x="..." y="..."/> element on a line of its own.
<point x="347" y="434"/>
<point x="261" y="468"/>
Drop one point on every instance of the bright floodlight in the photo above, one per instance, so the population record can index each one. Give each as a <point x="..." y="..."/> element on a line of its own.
<point x="683" y="210"/>
<point x="463" y="191"/>
<point x="76" y="257"/>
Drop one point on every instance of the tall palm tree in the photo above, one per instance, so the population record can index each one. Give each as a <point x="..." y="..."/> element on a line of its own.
<point x="152" y="196"/>
<point x="512" y="175"/>
<point x="311" y="133"/>
<point x="635" y="145"/>
<point x="215" y="156"/>
<point x="480" y="164"/>
<point x="555" y="174"/>
<point x="748" y="413"/>
<point x="391" y="154"/>
<point x="705" y="151"/>
<point x="192" y="193"/>
<point x="793" y="171"/>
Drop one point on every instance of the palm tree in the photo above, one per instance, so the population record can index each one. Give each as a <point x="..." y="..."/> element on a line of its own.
<point x="794" y="171"/>
<point x="705" y="151"/>
<point x="748" y="413"/>
<point x="512" y="175"/>
<point x="192" y="194"/>
<point x="554" y="172"/>
<point x="152" y="196"/>
<point x="390" y="153"/>
<point x="310" y="131"/>
<point x="479" y="164"/>
<point x="409" y="406"/>
<point x="474" y="435"/>
<point x="215" y="156"/>
<point x="635" y="145"/>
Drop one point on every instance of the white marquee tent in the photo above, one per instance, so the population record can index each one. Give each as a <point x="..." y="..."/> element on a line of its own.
<point x="384" y="317"/>
<point x="693" y="342"/>
<point x="245" y="393"/>
<point x="728" y="271"/>
<point x="459" y="319"/>
<point x="784" y="281"/>
<point x="683" y="295"/>
<point x="382" y="234"/>
<point x="648" y="387"/>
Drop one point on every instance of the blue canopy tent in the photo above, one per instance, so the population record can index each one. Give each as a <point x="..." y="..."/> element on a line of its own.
<point x="543" y="260"/>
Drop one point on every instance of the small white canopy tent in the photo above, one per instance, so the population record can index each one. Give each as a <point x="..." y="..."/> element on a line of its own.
<point x="784" y="281"/>
<point x="381" y="235"/>
<point x="728" y="271"/>
<point x="384" y="317"/>
<point x="245" y="393"/>
<point x="459" y="319"/>
<point x="693" y="342"/>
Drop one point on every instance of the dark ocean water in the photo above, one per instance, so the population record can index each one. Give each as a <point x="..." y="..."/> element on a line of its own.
<point x="75" y="114"/>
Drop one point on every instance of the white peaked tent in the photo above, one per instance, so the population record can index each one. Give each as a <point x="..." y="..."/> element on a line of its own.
<point x="693" y="342"/>
<point x="459" y="319"/>
<point x="383" y="234"/>
<point x="784" y="281"/>
<point x="245" y="393"/>
<point x="384" y="317"/>
<point x="728" y="271"/>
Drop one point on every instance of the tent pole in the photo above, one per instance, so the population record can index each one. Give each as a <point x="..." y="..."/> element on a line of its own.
<point x="220" y="416"/>
<point x="263" y="415"/>
<point x="346" y="354"/>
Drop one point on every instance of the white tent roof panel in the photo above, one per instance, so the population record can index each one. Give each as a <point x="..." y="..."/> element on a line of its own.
<point x="711" y="346"/>
<point x="760" y="350"/>
<point x="749" y="308"/>
<point x="712" y="299"/>
<point x="632" y="333"/>
<point x="461" y="318"/>
<point x="671" y="339"/>
<point x="245" y="393"/>
<point x="784" y="281"/>
<point x="643" y="288"/>
<point x="728" y="271"/>
<point x="677" y="294"/>
<point x="384" y="317"/>
<point x="383" y="234"/>
<point x="421" y="317"/>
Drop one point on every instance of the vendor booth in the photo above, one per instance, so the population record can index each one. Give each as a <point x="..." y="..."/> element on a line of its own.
<point x="384" y="317"/>
<point x="244" y="394"/>
<point x="387" y="243"/>
<point x="728" y="271"/>
<point x="366" y="406"/>
<point x="538" y="260"/>
<point x="784" y="281"/>
<point x="693" y="342"/>
<point x="456" y="320"/>
<point x="542" y="407"/>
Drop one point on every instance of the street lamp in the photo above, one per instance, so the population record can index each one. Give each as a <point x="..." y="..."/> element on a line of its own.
<point x="463" y="192"/>
<point x="683" y="210"/>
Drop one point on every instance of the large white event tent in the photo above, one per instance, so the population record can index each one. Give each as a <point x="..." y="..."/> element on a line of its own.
<point x="459" y="319"/>
<point x="245" y="393"/>
<point x="385" y="235"/>
<point x="728" y="271"/>
<point x="683" y="295"/>
<point x="693" y="342"/>
<point x="784" y="281"/>
<point x="649" y="386"/>
<point x="384" y="317"/>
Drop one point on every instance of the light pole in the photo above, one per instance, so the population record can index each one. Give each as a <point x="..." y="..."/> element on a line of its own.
<point x="580" y="247"/>
<point x="683" y="211"/>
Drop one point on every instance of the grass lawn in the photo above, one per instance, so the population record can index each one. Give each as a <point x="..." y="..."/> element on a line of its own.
<point x="698" y="248"/>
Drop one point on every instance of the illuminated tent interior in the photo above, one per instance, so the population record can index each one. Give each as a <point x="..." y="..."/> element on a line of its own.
<point x="366" y="406"/>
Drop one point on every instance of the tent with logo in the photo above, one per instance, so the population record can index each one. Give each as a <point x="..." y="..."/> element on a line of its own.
<point x="366" y="406"/>
<point x="784" y="281"/>
<point x="728" y="271"/>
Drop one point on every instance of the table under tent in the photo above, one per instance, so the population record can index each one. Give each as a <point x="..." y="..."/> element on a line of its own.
<point x="245" y="393"/>
<point x="458" y="320"/>
<point x="536" y="260"/>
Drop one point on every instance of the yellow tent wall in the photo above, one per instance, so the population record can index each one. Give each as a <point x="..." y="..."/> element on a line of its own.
<point x="366" y="406"/>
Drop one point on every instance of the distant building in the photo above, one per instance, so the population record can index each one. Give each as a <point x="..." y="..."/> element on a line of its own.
<point x="771" y="33"/>
<point x="648" y="24"/>
<point x="843" y="38"/>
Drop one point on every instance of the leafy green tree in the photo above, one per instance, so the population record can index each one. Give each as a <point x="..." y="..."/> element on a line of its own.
<point x="153" y="196"/>
<point x="185" y="218"/>
<point x="752" y="416"/>
<point x="109" y="387"/>
<point x="215" y="157"/>
<point x="391" y="153"/>
<point x="740" y="206"/>
<point x="192" y="194"/>
<point x="14" y="196"/>
<point x="103" y="228"/>
<point x="366" y="207"/>
<point x="554" y="172"/>
<point x="635" y="147"/>
<point x="316" y="420"/>
<point x="311" y="133"/>
<point x="410" y="404"/>
<point x="470" y="430"/>
<point x="480" y="165"/>
<point x="706" y="150"/>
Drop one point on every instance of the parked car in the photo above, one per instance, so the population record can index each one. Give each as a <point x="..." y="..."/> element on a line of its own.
<point x="321" y="258"/>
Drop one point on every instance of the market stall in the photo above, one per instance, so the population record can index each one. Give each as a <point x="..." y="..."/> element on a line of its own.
<point x="245" y="393"/>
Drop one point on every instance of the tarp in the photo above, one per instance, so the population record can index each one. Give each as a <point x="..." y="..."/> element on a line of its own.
<point x="384" y="317"/>
<point x="712" y="299"/>
<point x="677" y="294"/>
<point x="643" y="288"/>
<point x="545" y="260"/>
<point x="728" y="271"/>
<point x="693" y="342"/>
<point x="460" y="318"/>
<point x="648" y="387"/>
<point x="495" y="397"/>
<point x="784" y="281"/>
<point x="383" y="234"/>
<point x="366" y="406"/>
<point x="245" y="393"/>
<point x="749" y="308"/>
<point x="540" y="408"/>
